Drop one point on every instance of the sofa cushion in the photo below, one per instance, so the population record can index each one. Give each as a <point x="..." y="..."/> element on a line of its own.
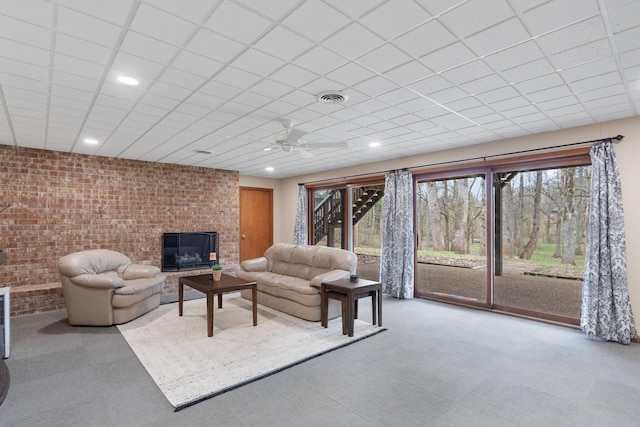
<point x="306" y="262"/>
<point x="138" y="290"/>
<point x="93" y="261"/>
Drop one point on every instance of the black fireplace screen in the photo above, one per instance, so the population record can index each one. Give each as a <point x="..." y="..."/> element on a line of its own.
<point x="189" y="251"/>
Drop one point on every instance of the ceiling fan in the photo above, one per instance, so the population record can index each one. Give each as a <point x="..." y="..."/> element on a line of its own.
<point x="289" y="140"/>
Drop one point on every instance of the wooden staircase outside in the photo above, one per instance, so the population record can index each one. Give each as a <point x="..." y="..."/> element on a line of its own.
<point x="329" y="212"/>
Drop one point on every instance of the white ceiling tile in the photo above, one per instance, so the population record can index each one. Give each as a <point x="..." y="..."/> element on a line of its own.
<point x="83" y="49"/>
<point x="395" y="17"/>
<point x="24" y="53"/>
<point x="603" y="80"/>
<point x="432" y="84"/>
<point x="473" y="17"/>
<point x="448" y="95"/>
<point x="36" y="12"/>
<point x="383" y="58"/>
<point x="625" y="16"/>
<point x="551" y="93"/>
<point x="181" y="78"/>
<point x="529" y="70"/>
<point x="148" y="48"/>
<point x="114" y="11"/>
<point x="353" y="41"/>
<point x="316" y="20"/>
<point x="631" y="58"/>
<point x="320" y="60"/>
<point x="271" y="88"/>
<point x="498" y="37"/>
<point x="583" y="54"/>
<point x="408" y="73"/>
<point x="235" y="77"/>
<point x="196" y="64"/>
<point x="140" y="68"/>
<point x="467" y="72"/>
<point x="515" y="56"/>
<point x="572" y="36"/>
<point x="354" y="8"/>
<point x="375" y="86"/>
<point x="510" y="103"/>
<point x="416" y="104"/>
<point x="215" y="46"/>
<point x="258" y="63"/>
<point x="350" y="74"/>
<point x="627" y="40"/>
<point x="397" y="96"/>
<point x="448" y="57"/>
<point x="17" y="68"/>
<point x="274" y="9"/>
<point x="24" y="32"/>
<point x="252" y="99"/>
<point x="159" y="101"/>
<point x="161" y="25"/>
<point x="238" y="23"/>
<point x="569" y="104"/>
<point x="73" y="81"/>
<point x="555" y="14"/>
<point x="283" y="43"/>
<point x="539" y="83"/>
<point x="413" y="42"/>
<point x="463" y="104"/>
<point x="71" y="65"/>
<point x="73" y="23"/>
<point x="498" y="94"/>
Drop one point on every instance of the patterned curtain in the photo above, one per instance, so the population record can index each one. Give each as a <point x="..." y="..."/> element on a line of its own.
<point x="396" y="258"/>
<point x="606" y="309"/>
<point x="300" y="231"/>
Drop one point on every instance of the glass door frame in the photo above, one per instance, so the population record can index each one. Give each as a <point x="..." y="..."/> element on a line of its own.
<point x="489" y="224"/>
<point x="525" y="162"/>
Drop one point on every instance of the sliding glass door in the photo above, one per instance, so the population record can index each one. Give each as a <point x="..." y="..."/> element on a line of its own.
<point x="510" y="237"/>
<point x="541" y="242"/>
<point x="452" y="243"/>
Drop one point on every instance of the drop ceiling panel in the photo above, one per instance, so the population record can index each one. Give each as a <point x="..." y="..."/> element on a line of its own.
<point x="420" y="75"/>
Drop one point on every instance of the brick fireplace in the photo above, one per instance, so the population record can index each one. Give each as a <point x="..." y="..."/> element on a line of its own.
<point x="57" y="203"/>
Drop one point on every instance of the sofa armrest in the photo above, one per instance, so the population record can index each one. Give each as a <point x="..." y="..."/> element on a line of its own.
<point x="255" y="264"/>
<point x="328" y="277"/>
<point x="140" y="271"/>
<point x="98" y="281"/>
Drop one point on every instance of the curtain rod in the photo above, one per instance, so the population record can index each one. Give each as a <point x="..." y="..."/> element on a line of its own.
<point x="615" y="139"/>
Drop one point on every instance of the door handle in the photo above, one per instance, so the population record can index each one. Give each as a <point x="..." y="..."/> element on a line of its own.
<point x="243" y="236"/>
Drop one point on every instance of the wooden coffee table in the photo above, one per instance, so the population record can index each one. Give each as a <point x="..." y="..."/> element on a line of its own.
<point x="205" y="284"/>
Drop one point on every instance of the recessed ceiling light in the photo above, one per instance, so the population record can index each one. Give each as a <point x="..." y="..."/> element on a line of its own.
<point x="91" y="141"/>
<point x="269" y="169"/>
<point x="374" y="144"/>
<point x="128" y="80"/>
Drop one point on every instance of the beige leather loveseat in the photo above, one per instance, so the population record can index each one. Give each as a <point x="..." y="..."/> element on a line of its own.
<point x="289" y="277"/>
<point x="103" y="287"/>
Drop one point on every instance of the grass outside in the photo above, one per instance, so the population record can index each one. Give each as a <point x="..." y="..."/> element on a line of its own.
<point x="542" y="261"/>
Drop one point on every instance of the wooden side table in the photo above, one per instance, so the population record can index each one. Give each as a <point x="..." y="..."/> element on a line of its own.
<point x="349" y="292"/>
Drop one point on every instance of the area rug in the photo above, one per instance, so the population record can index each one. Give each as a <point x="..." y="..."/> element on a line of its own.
<point x="189" y="367"/>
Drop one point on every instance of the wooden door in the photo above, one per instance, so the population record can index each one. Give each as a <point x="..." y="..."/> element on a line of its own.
<point x="256" y="221"/>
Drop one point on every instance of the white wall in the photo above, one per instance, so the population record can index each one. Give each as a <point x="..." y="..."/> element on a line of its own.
<point x="628" y="152"/>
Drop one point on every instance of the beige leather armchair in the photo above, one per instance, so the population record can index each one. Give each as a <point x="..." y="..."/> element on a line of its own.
<point x="103" y="287"/>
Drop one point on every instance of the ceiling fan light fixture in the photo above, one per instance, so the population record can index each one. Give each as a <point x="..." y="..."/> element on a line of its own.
<point x="332" y="97"/>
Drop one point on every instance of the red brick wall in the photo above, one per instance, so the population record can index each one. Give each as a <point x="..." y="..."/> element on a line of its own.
<point x="54" y="203"/>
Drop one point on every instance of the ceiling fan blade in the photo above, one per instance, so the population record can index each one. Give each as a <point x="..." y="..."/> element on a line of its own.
<point x="325" y="145"/>
<point x="304" y="153"/>
<point x="295" y="135"/>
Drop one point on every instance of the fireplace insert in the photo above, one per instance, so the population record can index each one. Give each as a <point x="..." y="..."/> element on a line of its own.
<point x="189" y="251"/>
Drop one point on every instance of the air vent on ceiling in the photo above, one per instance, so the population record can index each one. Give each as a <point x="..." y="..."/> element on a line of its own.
<point x="332" y="97"/>
<point x="203" y="151"/>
